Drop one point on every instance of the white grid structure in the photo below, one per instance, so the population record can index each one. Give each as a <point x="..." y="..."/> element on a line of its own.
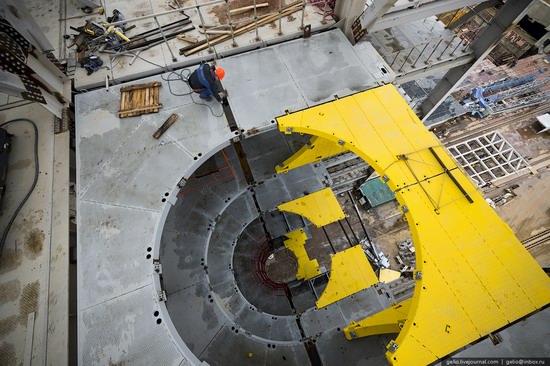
<point x="488" y="157"/>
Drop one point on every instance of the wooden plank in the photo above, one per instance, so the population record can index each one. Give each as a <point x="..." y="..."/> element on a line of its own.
<point x="166" y="125"/>
<point x="156" y="97"/>
<point x="140" y="99"/>
<point x="135" y="99"/>
<point x="123" y="98"/>
<point x="187" y="38"/>
<point x="213" y="31"/>
<point x="132" y="112"/>
<point x="140" y="86"/>
<point x="247" y="8"/>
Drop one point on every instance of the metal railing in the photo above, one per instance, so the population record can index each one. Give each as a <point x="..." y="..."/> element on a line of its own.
<point x="231" y="25"/>
<point x="433" y="51"/>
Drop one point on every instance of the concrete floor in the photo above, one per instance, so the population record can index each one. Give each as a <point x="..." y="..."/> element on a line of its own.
<point x="34" y="263"/>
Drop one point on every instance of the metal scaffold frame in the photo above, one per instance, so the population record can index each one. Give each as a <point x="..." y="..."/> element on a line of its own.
<point x="488" y="157"/>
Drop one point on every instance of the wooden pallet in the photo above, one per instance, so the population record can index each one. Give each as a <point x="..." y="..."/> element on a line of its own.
<point x="139" y="99"/>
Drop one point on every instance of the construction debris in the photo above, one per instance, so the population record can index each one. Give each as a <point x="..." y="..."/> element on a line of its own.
<point x="241" y="29"/>
<point x="139" y="99"/>
<point x="100" y="37"/>
<point x="375" y="254"/>
<point x="91" y="63"/>
<point x="187" y="38"/>
<point x="406" y="257"/>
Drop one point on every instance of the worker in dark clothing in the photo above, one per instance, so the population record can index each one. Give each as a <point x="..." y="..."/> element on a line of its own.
<point x="203" y="81"/>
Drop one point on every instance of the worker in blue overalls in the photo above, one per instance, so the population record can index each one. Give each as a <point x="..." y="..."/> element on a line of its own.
<point x="203" y="81"/>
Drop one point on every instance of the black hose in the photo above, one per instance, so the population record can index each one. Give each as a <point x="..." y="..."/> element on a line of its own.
<point x="36" y="173"/>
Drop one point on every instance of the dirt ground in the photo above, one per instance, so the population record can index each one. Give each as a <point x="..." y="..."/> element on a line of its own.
<point x="529" y="212"/>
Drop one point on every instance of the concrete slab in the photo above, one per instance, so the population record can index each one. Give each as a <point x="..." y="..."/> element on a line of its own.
<point x="34" y="260"/>
<point x="324" y="66"/>
<point x="117" y="238"/>
<point x="142" y="180"/>
<point x="260" y="76"/>
<point x="126" y="328"/>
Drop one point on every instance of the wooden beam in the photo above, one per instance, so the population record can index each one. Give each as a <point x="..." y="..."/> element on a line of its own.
<point x="166" y="125"/>
<point x="247" y="8"/>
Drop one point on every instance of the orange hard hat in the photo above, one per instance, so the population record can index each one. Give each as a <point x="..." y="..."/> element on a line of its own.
<point x="220" y="72"/>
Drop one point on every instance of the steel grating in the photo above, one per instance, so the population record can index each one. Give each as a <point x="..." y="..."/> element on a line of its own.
<point x="488" y="157"/>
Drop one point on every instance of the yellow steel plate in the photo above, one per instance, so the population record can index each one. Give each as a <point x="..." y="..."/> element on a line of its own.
<point x="388" y="275"/>
<point x="389" y="320"/>
<point x="315" y="150"/>
<point x="307" y="268"/>
<point x="321" y="207"/>
<point x="476" y="277"/>
<point x="350" y="272"/>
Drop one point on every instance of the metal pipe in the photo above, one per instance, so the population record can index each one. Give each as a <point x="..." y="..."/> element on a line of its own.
<point x="203" y="27"/>
<point x="431" y="54"/>
<point x="256" y="22"/>
<point x="174" y="58"/>
<point x="359" y="217"/>
<point x="303" y="13"/>
<point x="406" y="58"/>
<point x="445" y="49"/>
<point x="323" y="21"/>
<point x="456" y="48"/>
<point x="418" y="58"/>
<point x="177" y="10"/>
<point x="351" y="228"/>
<point x="230" y="23"/>
<point x="395" y="58"/>
<point x="280" y="10"/>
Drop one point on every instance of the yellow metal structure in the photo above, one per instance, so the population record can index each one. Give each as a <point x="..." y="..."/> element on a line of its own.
<point x="350" y="272"/>
<point x="315" y="150"/>
<point x="387" y="321"/>
<point x="473" y="275"/>
<point x="321" y="207"/>
<point x="307" y="268"/>
<point x="388" y="275"/>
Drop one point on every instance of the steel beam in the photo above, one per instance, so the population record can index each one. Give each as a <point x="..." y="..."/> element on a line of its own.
<point x="376" y="10"/>
<point x="423" y="11"/>
<point x="511" y="13"/>
<point x="348" y="11"/>
<point x="387" y="321"/>
<point x="315" y="150"/>
<point x="17" y="15"/>
<point x="434" y="69"/>
<point x="11" y="84"/>
<point x="472" y="13"/>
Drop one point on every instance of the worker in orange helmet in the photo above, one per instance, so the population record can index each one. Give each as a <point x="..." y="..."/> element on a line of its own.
<point x="203" y="81"/>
